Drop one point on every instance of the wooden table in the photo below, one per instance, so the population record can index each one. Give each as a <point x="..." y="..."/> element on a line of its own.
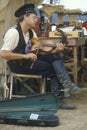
<point x="74" y="43"/>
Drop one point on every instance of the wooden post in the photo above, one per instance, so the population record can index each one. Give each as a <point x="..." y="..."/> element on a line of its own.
<point x="59" y="19"/>
<point x="51" y="1"/>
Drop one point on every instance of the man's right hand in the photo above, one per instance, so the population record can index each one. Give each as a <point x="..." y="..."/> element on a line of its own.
<point x="14" y="56"/>
<point x="31" y="56"/>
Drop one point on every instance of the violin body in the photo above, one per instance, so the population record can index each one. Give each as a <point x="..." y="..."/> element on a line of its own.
<point x="44" y="48"/>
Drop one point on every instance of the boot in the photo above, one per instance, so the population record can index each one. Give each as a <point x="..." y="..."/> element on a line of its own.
<point x="56" y="89"/>
<point x="63" y="77"/>
<point x="67" y="106"/>
<point x="76" y="90"/>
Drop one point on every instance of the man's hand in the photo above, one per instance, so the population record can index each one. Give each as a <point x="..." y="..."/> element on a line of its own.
<point x="31" y="56"/>
<point x="14" y="56"/>
<point x="59" y="48"/>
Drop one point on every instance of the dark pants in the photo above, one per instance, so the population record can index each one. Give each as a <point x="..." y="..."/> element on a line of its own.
<point x="50" y="65"/>
<point x="42" y="66"/>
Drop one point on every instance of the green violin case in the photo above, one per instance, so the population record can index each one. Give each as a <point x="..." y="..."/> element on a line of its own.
<point x="40" y="109"/>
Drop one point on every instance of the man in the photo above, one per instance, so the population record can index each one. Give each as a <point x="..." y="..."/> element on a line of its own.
<point x="16" y="50"/>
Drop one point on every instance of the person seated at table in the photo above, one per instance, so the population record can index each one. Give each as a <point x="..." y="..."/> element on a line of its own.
<point x="17" y="50"/>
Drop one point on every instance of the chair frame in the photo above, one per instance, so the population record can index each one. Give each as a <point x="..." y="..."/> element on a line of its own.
<point x="19" y="76"/>
<point x="15" y="75"/>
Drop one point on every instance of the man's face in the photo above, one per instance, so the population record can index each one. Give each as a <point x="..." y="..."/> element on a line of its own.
<point x="31" y="20"/>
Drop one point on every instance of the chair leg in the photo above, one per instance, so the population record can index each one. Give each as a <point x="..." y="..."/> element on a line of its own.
<point x="26" y="86"/>
<point x="43" y="85"/>
<point x="11" y="86"/>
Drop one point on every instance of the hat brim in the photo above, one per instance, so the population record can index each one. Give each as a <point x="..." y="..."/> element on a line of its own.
<point x="25" y="9"/>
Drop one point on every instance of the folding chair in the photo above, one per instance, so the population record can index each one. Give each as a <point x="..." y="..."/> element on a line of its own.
<point x="20" y="77"/>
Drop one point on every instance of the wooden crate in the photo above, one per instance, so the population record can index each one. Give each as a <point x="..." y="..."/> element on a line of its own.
<point x="72" y="34"/>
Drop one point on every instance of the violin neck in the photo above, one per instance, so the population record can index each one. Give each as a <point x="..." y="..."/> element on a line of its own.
<point x="49" y="45"/>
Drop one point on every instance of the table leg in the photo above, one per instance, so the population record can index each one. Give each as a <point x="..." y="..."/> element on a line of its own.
<point x="75" y="65"/>
<point x="82" y="64"/>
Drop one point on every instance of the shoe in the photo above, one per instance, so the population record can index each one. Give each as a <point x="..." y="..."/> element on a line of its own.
<point x="75" y="90"/>
<point x="67" y="106"/>
<point x="66" y="92"/>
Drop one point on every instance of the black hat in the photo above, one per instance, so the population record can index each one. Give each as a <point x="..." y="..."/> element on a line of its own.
<point x="25" y="9"/>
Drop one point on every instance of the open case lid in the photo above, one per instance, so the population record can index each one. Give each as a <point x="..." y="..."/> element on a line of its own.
<point x="41" y="104"/>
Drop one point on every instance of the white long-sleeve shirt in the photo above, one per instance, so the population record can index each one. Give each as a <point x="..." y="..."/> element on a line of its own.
<point x="11" y="39"/>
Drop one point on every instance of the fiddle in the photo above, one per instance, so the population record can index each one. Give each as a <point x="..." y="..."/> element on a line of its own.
<point x="49" y="45"/>
<point x="44" y="48"/>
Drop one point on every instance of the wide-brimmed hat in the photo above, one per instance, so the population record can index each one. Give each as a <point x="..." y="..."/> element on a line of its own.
<point x="25" y="9"/>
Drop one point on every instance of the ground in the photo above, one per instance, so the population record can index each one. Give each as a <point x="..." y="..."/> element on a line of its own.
<point x="69" y="119"/>
<point x="75" y="119"/>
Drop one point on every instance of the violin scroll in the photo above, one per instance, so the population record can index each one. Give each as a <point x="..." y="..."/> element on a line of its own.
<point x="35" y="41"/>
<point x="35" y="44"/>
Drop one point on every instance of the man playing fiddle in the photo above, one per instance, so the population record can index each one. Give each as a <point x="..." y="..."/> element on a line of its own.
<point x="16" y="49"/>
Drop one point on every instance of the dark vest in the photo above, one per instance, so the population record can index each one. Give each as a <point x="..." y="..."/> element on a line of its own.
<point x="21" y="44"/>
<point x="15" y="64"/>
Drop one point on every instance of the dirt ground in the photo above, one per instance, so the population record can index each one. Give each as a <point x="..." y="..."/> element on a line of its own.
<point x="69" y="119"/>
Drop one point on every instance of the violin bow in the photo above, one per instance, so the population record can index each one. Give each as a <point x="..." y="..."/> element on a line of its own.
<point x="36" y="55"/>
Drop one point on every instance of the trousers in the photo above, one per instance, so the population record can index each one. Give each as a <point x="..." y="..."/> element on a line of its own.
<point x="49" y="65"/>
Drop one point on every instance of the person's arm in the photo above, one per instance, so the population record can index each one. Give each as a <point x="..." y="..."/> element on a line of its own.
<point x="10" y="42"/>
<point x="11" y="56"/>
<point x="59" y="48"/>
